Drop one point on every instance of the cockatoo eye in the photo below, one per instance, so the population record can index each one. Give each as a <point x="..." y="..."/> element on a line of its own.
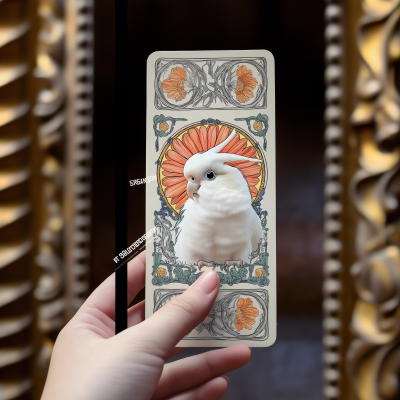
<point x="210" y="175"/>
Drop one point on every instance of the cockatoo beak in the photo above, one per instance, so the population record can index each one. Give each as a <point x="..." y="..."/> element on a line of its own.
<point x="192" y="188"/>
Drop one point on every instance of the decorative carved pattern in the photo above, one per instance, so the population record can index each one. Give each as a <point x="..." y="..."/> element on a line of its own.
<point x="79" y="74"/>
<point x="51" y="140"/>
<point x="333" y="194"/>
<point x="65" y="137"/>
<point x="373" y="358"/>
<point x="46" y="69"/>
<point x="15" y="205"/>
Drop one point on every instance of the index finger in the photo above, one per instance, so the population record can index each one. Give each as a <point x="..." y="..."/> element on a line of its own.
<point x="161" y="332"/>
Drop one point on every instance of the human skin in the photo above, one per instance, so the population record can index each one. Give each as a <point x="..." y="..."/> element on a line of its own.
<point x="90" y="362"/>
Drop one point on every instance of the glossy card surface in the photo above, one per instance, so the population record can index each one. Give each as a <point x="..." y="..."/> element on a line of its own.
<point x="210" y="148"/>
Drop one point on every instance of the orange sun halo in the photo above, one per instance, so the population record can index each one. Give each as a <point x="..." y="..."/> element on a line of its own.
<point x="203" y="138"/>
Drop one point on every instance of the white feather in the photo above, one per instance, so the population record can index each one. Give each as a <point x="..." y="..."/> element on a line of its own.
<point x="219" y="223"/>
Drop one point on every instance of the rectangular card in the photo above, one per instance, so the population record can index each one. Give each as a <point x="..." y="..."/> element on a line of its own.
<point x="210" y="143"/>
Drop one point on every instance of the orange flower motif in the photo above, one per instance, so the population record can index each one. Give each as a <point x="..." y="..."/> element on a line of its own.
<point x="257" y="125"/>
<point x="203" y="139"/>
<point x="174" y="85"/>
<point x="260" y="272"/>
<point x="245" y="84"/>
<point x="161" y="272"/>
<point x="164" y="126"/>
<point x="245" y="314"/>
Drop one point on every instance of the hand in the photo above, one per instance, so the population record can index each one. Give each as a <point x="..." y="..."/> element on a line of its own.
<point x="90" y="362"/>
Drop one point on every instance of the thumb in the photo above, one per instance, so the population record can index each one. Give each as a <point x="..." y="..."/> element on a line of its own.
<point x="164" y="329"/>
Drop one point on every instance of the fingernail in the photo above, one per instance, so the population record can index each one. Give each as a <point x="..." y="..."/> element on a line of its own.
<point x="226" y="378"/>
<point x="207" y="282"/>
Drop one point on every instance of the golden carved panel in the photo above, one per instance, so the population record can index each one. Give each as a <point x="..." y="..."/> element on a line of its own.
<point x="373" y="357"/>
<point x="16" y="171"/>
<point x="46" y="73"/>
<point x="362" y="268"/>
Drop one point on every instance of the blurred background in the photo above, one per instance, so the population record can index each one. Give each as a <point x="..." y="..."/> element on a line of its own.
<point x="57" y="179"/>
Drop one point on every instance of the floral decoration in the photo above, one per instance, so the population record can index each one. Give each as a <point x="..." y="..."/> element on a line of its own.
<point x="174" y="85"/>
<point x="245" y="84"/>
<point x="245" y="314"/>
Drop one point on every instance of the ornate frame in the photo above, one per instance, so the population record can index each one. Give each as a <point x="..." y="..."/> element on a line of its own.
<point x="46" y="74"/>
<point x="362" y="265"/>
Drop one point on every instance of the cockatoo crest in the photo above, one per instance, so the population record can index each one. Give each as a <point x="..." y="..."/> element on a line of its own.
<point x="204" y="168"/>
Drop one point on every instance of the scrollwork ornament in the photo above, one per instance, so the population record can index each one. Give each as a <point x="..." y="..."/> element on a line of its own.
<point x="260" y="126"/>
<point x="238" y="314"/>
<point x="162" y="128"/>
<point x="210" y="84"/>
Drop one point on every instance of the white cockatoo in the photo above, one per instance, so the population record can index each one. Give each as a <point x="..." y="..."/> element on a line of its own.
<point x="219" y="223"/>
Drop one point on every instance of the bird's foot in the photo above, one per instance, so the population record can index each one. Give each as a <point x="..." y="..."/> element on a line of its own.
<point x="233" y="263"/>
<point x="202" y="264"/>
